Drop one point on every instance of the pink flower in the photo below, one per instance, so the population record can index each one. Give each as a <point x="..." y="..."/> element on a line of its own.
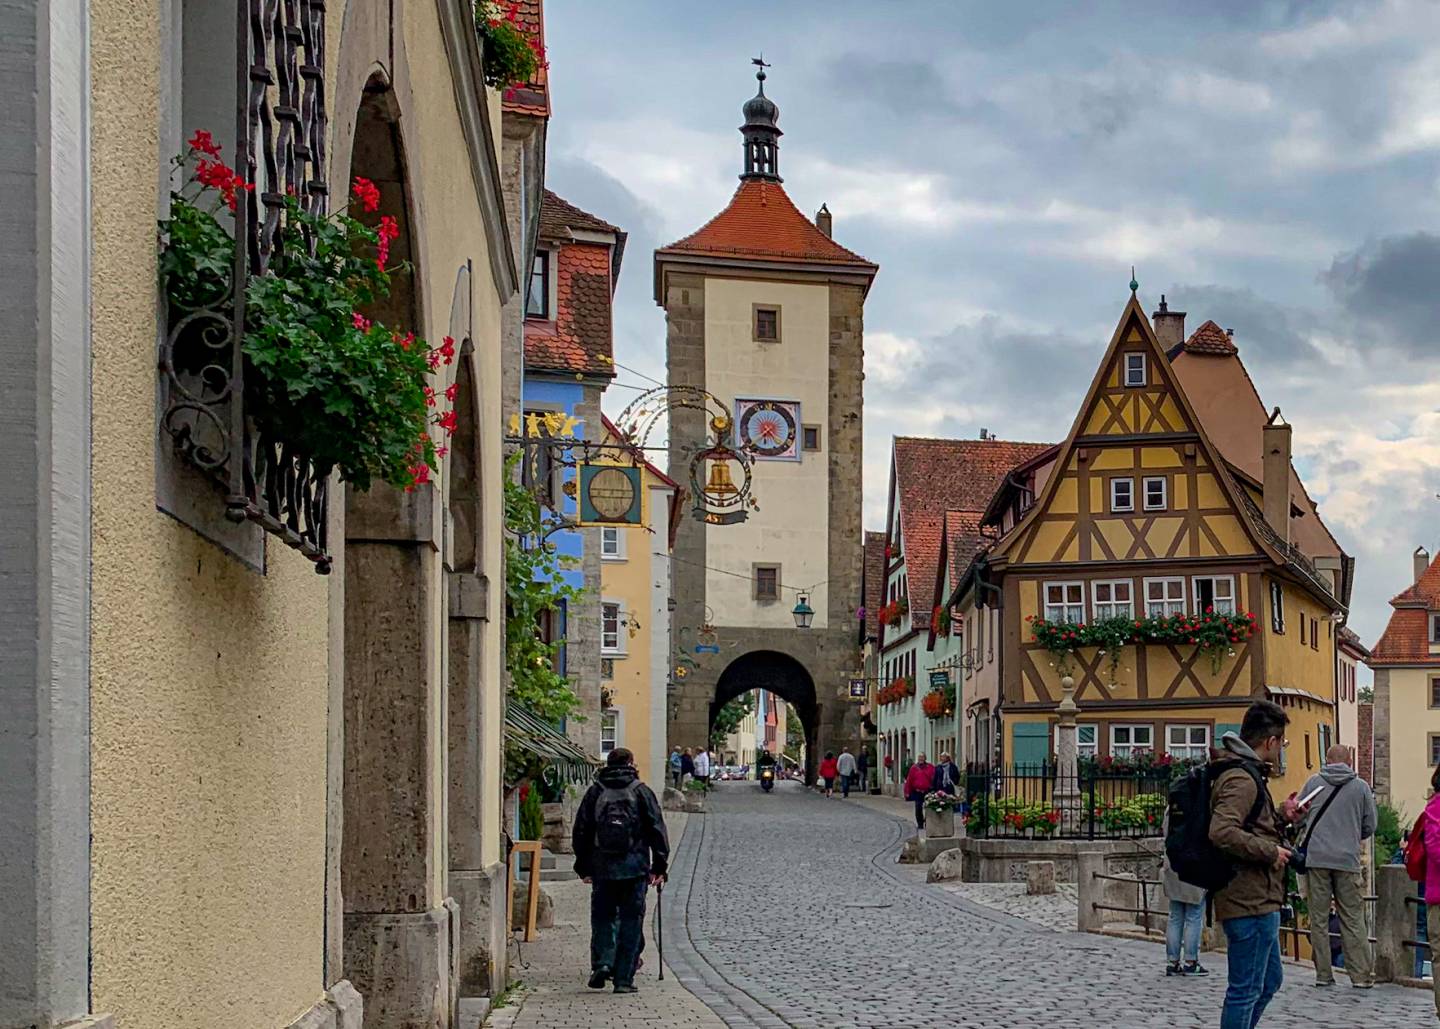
<point x="360" y="321"/>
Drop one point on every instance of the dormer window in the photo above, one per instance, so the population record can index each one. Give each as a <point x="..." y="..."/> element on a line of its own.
<point x="1435" y="626"/>
<point x="537" y="294"/>
<point x="1135" y="370"/>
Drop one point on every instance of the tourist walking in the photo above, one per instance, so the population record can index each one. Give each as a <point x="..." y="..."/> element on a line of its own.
<point x="845" y="765"/>
<point x="1246" y="827"/>
<point x="947" y="776"/>
<point x="702" y="765"/>
<point x="621" y="849"/>
<point x="676" y="767"/>
<point x="1187" y="917"/>
<point x="687" y="765"/>
<point x="829" y="768"/>
<point x="862" y="770"/>
<point x="1430" y="824"/>
<point x="1338" y="819"/>
<point x="918" y="782"/>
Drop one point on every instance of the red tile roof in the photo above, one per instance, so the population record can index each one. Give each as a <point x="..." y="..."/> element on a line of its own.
<point x="1210" y="339"/>
<point x="579" y="338"/>
<point x="935" y="476"/>
<point x="558" y="215"/>
<point x="874" y="578"/>
<point x="761" y="222"/>
<point x="1406" y="640"/>
<point x="963" y="541"/>
<point x="532" y="98"/>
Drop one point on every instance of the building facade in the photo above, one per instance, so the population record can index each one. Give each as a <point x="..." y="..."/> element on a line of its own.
<point x="764" y="310"/>
<point x="569" y="361"/>
<point x="634" y="640"/>
<point x="1139" y="516"/>
<point x="1406" y="663"/>
<point x="1350" y="654"/>
<point x="231" y="797"/>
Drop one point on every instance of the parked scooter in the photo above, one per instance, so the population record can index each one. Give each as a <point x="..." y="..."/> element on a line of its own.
<point x="767" y="778"/>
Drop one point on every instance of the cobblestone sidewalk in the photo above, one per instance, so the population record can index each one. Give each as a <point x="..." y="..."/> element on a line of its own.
<point x="553" y="994"/>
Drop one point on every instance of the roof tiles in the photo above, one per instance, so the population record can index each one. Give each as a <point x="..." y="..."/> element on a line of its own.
<point x="1406" y="640"/>
<point x="874" y="580"/>
<point x="579" y="339"/>
<point x="1209" y="338"/>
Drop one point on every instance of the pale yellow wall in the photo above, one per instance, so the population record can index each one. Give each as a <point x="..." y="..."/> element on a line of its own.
<point x="1288" y="662"/>
<point x="208" y="681"/>
<point x="1412" y="721"/>
<point x="791" y="528"/>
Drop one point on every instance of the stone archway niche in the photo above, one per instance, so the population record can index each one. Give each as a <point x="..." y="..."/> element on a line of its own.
<point x="786" y="678"/>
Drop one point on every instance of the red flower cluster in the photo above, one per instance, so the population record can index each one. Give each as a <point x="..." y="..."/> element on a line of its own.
<point x="367" y="193"/>
<point x="443" y="354"/>
<point x="204" y="143"/>
<point x="217" y="175"/>
<point x="895" y="692"/>
<point x="891" y="613"/>
<point x="933" y="704"/>
<point x="388" y="231"/>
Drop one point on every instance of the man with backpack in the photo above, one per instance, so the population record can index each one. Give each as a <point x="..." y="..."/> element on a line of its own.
<point x="621" y="849"/>
<point x="1225" y="835"/>
<point x="1341" y="816"/>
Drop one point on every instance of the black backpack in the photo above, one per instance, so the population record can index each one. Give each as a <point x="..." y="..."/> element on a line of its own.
<point x="617" y="818"/>
<point x="1192" y="856"/>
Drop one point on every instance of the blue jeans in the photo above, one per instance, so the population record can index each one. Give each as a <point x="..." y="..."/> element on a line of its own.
<point x="1185" y="923"/>
<point x="1255" y="969"/>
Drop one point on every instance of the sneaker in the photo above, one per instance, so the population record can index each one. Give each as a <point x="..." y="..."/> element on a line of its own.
<point x="1363" y="986"/>
<point x="625" y="988"/>
<point x="1324" y="982"/>
<point x="1173" y="968"/>
<point x="1195" y="968"/>
<point x="598" y="978"/>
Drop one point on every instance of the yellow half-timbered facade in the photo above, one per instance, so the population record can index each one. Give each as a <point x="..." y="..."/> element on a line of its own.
<point x="1138" y="515"/>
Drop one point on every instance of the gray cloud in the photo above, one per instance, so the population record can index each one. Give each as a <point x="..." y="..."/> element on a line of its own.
<point x="1269" y="335"/>
<point x="1390" y="289"/>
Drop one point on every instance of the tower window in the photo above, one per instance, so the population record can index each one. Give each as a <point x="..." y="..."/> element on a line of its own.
<point x="767" y="324"/>
<point x="810" y="437"/>
<point x="767" y="582"/>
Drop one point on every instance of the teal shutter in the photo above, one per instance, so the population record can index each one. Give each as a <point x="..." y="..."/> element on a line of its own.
<point x="1030" y="743"/>
<point x="1222" y="728"/>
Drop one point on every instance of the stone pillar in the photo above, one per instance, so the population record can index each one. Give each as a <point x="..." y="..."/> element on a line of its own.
<point x="1067" y="771"/>
<point x="1091" y="891"/>
<point x="478" y="888"/>
<point x="1394" y="923"/>
<point x="393" y="863"/>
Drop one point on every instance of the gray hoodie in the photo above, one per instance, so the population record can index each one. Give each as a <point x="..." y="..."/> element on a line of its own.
<point x="1335" y="843"/>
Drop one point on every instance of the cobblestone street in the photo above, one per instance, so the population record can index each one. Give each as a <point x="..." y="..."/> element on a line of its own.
<point x="788" y="909"/>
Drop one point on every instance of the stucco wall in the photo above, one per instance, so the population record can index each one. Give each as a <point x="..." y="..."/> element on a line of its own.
<point x="791" y="527"/>
<point x="1412" y="721"/>
<point x="209" y="682"/>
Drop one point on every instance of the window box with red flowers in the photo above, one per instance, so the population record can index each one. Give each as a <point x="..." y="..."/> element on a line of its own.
<point x="306" y="385"/>
<point x="509" y="56"/>
<point x="898" y="690"/>
<point x="1214" y="634"/>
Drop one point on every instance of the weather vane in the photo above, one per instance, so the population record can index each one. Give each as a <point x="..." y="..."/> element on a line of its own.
<point x="1133" y="284"/>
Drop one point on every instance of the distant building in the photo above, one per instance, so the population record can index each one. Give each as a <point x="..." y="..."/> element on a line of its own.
<point x="1406" y="662"/>
<point x="1350" y="654"/>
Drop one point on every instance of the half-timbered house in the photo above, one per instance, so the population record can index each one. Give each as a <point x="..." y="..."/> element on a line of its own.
<point x="1137" y="525"/>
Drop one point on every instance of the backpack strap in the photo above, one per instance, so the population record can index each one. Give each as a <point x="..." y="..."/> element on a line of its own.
<point x="1310" y="830"/>
<point x="1262" y="793"/>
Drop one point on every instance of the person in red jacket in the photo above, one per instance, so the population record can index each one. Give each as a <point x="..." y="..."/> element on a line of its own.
<point x="917" y="785"/>
<point x="828" y="771"/>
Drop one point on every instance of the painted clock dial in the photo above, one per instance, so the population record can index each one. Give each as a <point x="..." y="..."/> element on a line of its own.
<point x="769" y="428"/>
<point x="612" y="494"/>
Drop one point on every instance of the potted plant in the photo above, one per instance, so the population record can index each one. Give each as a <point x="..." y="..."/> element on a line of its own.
<point x="940" y="814"/>
<point x="508" y="54"/>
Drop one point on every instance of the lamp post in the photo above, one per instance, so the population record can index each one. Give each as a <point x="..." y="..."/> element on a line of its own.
<point x="803" y="612"/>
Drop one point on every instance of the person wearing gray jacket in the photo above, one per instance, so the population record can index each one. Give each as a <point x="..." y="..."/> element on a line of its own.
<point x="1187" y="917"/>
<point x="1338" y="820"/>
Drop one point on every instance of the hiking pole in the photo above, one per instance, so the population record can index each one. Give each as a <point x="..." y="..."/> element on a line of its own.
<point x="660" y="925"/>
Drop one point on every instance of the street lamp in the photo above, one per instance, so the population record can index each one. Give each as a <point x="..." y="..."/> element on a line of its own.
<point x="804" y="613"/>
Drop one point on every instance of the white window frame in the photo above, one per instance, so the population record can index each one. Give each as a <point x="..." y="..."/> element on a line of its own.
<point x="1163" y="504"/>
<point x="1169" y="601"/>
<point x="615" y="534"/>
<point x="612" y="643"/>
<point x="1067" y="604"/>
<point x="1135" y="362"/>
<point x="1216" y="602"/>
<point x="1082" y="749"/>
<point x="1115" y="506"/>
<point x="1112" y="608"/>
<point x="612" y="715"/>
<point x="1118" y="749"/>
<point x="1277" y="608"/>
<point x="1183" y="749"/>
<point x="1434" y="626"/>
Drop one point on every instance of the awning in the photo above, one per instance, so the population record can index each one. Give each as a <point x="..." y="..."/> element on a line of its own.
<point x="534" y="735"/>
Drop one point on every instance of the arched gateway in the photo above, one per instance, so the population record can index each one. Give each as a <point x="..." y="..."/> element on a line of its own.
<point x="765" y="311"/>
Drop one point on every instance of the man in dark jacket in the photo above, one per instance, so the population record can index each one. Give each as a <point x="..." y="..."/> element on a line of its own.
<point x="1246" y="827"/>
<point x="947" y="776"/>
<point x="621" y="849"/>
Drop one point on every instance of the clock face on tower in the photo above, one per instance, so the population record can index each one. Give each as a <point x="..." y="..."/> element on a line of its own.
<point x="769" y="429"/>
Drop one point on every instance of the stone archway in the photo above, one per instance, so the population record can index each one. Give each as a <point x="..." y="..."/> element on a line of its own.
<point x="398" y="924"/>
<point x="782" y="675"/>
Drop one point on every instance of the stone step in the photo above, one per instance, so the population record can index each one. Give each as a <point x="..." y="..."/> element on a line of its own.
<point x="547" y="861"/>
<point x="554" y="875"/>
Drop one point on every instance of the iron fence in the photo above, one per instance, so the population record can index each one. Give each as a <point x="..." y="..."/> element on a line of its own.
<point x="1038" y="802"/>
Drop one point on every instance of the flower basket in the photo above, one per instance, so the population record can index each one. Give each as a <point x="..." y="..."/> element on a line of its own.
<point x="934" y="704"/>
<point x="1215" y="634"/>
<point x="509" y="56"/>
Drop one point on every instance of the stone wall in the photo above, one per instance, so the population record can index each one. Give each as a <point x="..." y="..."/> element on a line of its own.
<point x="1380" y="736"/>
<point x="1365" y="758"/>
<point x="999" y="861"/>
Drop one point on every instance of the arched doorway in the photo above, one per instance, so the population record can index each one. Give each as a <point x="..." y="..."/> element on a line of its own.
<point x="782" y="675"/>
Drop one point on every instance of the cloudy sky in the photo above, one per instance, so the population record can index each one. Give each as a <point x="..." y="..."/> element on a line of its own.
<point x="1273" y="166"/>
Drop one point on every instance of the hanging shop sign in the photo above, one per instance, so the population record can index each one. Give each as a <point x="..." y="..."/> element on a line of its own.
<point x="707" y="641"/>
<point x="611" y="495"/>
<point x="857" y="689"/>
<point x="939" y="680"/>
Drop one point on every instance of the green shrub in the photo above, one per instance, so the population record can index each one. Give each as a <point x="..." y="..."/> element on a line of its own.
<point x="532" y="819"/>
<point x="1389" y="827"/>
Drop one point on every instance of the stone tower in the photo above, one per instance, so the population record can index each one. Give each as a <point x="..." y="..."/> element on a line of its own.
<point x="765" y="311"/>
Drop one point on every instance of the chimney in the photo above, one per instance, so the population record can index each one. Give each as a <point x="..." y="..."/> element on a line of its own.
<point x="822" y="219"/>
<point x="1169" y="326"/>
<point x="1422" y="562"/>
<point x="1275" y="482"/>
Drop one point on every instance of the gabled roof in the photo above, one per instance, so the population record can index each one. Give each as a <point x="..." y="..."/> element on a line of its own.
<point x="873" y="578"/>
<point x="1349" y="639"/>
<point x="963" y="541"/>
<point x="533" y="97"/>
<point x="1208" y="339"/>
<point x="935" y="476"/>
<point x="579" y="339"/>
<point x="1406" y="639"/>
<point x="761" y="223"/>
<point x="559" y="219"/>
